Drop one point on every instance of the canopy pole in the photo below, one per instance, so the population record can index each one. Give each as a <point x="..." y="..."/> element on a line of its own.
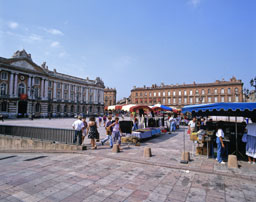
<point x="236" y="138"/>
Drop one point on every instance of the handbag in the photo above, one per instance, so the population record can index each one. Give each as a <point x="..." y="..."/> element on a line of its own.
<point x="244" y="138"/>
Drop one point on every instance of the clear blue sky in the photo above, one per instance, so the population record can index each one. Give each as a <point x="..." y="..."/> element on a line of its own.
<point x="135" y="42"/>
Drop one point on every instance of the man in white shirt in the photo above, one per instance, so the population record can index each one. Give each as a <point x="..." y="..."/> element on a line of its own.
<point x="78" y="126"/>
<point x="192" y="125"/>
<point x="219" y="141"/>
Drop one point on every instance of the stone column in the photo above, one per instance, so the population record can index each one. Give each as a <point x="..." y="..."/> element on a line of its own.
<point x="54" y="90"/>
<point x="16" y="85"/>
<point x="75" y="94"/>
<point x="62" y="92"/>
<point x="42" y="88"/>
<point x="81" y="94"/>
<point x="29" y="86"/>
<point x="11" y="85"/>
<point x="86" y="96"/>
<point x="69" y="89"/>
<point x="33" y="81"/>
<point x="46" y="84"/>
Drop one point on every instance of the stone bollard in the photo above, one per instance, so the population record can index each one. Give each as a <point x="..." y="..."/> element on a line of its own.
<point x="232" y="161"/>
<point x="147" y="152"/>
<point x="115" y="148"/>
<point x="185" y="156"/>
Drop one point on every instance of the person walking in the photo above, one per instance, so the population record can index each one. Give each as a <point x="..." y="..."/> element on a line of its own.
<point x="104" y="120"/>
<point x="84" y="131"/>
<point x="100" y="120"/>
<point x="78" y="126"/>
<point x="92" y="132"/>
<point x="108" y="132"/>
<point x="116" y="132"/>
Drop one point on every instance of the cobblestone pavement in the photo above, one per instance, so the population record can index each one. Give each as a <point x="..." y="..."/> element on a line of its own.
<point x="100" y="175"/>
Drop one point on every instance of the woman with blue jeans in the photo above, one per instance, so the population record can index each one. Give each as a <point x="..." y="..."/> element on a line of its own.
<point x="109" y="132"/>
<point x="220" y="144"/>
<point x="116" y="132"/>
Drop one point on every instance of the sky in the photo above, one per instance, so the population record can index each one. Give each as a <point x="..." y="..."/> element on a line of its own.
<point x="131" y="43"/>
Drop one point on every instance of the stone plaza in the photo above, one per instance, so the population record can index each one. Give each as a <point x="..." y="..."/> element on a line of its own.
<point x="101" y="175"/>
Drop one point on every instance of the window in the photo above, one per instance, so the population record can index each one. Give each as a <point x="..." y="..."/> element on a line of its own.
<point x="169" y="100"/>
<point x="58" y="95"/>
<point x="237" y="98"/>
<point x="163" y="93"/>
<point x="72" y="96"/>
<point x="185" y="100"/>
<point x="169" y="93"/>
<point x="66" y="86"/>
<point x="150" y="94"/>
<point x="203" y="99"/>
<point x="159" y="94"/>
<point x="179" y="92"/>
<point x="58" y="85"/>
<point x="36" y="92"/>
<point x="21" y="89"/>
<point x="222" y="99"/>
<point x="136" y="94"/>
<point x="145" y="94"/>
<point x="197" y="99"/>
<point x="203" y="92"/>
<point x="3" y="89"/>
<point x="154" y="94"/>
<point x="209" y="91"/>
<point x="65" y="108"/>
<point x="65" y="96"/>
<point x="58" y="108"/>
<point x="38" y="107"/>
<point x="190" y="93"/>
<point x="163" y="100"/>
<point x="236" y="90"/>
<point x="49" y="94"/>
<point x="72" y="109"/>
<point x="72" y="87"/>
<point x="222" y="91"/>
<point x="4" y="75"/>
<point x="229" y="99"/>
<point x="215" y="91"/>
<point x="185" y="92"/>
<point x="215" y="99"/>
<point x="37" y="81"/>
<point x="174" y="100"/>
<point x="174" y="93"/>
<point x="229" y="91"/>
<point x="209" y="99"/>
<point x="197" y="92"/>
<point x="191" y="100"/>
<point x="140" y="94"/>
<point x="179" y="100"/>
<point x="50" y="84"/>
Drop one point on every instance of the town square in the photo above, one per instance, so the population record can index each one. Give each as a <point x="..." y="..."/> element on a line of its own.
<point x="127" y="101"/>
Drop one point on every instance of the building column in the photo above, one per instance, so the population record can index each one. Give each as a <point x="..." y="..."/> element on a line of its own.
<point x="75" y="95"/>
<point x="69" y="89"/>
<point x="62" y="92"/>
<point x="86" y="96"/>
<point x="46" y="83"/>
<point x="81" y="94"/>
<point x="11" y="85"/>
<point x="33" y="81"/>
<point x="54" y="90"/>
<point x="29" y="86"/>
<point x="42" y="88"/>
<point x="16" y="85"/>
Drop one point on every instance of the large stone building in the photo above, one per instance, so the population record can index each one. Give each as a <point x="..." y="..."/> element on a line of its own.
<point x="188" y="94"/>
<point x="109" y="96"/>
<point x="27" y="89"/>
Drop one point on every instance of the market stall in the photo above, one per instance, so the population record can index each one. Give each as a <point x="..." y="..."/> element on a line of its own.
<point x="233" y="131"/>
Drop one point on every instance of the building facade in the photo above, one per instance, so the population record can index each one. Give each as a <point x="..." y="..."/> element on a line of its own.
<point x="109" y="96"/>
<point x="189" y="94"/>
<point x="27" y="88"/>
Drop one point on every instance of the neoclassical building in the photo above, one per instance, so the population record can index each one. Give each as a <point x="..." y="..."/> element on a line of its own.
<point x="27" y="88"/>
<point x="188" y="94"/>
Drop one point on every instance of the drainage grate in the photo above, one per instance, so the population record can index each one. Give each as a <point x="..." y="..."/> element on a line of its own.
<point x="7" y="157"/>
<point x="32" y="159"/>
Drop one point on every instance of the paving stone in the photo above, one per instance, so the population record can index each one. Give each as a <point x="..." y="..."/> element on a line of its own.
<point x="124" y="192"/>
<point x="176" y="195"/>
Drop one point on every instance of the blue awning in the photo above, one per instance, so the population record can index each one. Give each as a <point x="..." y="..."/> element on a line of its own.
<point x="223" y="109"/>
<point x="163" y="107"/>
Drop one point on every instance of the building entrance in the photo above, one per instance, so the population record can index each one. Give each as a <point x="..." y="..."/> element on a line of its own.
<point x="22" y="108"/>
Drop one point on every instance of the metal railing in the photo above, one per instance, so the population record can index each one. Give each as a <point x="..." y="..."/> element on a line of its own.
<point x="51" y="134"/>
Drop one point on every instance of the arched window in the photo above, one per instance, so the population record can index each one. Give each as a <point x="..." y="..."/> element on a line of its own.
<point x="65" y="108"/>
<point x="21" y="89"/>
<point x="77" y="108"/>
<point x="72" y="109"/>
<point x="83" y="109"/>
<point x="3" y="89"/>
<point x="38" y="107"/>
